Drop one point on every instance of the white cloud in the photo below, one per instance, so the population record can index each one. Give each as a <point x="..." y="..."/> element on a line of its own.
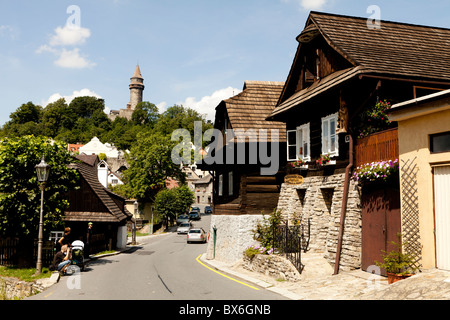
<point x="207" y="105"/>
<point x="313" y="4"/>
<point x="162" y="106"/>
<point x="72" y="59"/>
<point x="309" y="4"/>
<point x="69" y="36"/>
<point x="81" y="93"/>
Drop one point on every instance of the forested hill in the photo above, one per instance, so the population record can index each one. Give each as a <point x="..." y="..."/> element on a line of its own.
<point x="84" y="118"/>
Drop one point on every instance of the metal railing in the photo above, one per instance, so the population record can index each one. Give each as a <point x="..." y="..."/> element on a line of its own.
<point x="291" y="240"/>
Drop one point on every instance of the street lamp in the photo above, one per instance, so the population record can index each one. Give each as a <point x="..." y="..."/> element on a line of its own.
<point x="42" y="170"/>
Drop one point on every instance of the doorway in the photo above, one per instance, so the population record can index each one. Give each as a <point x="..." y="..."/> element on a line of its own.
<point x="381" y="223"/>
<point x="442" y="215"/>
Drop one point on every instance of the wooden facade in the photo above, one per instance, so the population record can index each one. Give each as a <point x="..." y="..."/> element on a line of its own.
<point x="239" y="187"/>
<point x="92" y="202"/>
<point x="342" y="68"/>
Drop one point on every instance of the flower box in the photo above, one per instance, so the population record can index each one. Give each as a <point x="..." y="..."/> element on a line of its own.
<point x="376" y="172"/>
<point x="325" y="160"/>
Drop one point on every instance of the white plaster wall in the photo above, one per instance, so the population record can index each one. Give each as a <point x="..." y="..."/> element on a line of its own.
<point x="234" y="235"/>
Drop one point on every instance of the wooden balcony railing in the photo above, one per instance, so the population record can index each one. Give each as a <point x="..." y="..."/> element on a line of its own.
<point x="377" y="147"/>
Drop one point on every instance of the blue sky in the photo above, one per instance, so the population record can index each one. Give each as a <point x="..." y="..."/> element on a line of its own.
<point x="191" y="52"/>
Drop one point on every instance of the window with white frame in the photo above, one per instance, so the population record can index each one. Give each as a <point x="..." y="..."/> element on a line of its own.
<point x="292" y="145"/>
<point x="230" y="183"/>
<point x="330" y="143"/>
<point x="298" y="143"/>
<point x="220" y="185"/>
<point x="303" y="142"/>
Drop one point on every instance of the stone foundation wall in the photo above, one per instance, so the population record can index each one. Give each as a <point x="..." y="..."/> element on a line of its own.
<point x="319" y="199"/>
<point x="234" y="235"/>
<point x="274" y="266"/>
<point x="12" y="288"/>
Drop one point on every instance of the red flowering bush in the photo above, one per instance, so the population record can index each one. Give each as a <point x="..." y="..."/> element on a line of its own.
<point x="375" y="119"/>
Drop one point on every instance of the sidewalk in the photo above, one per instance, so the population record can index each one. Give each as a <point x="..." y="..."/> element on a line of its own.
<point x="319" y="283"/>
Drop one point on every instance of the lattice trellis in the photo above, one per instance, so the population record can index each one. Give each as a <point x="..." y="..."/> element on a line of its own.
<point x="410" y="210"/>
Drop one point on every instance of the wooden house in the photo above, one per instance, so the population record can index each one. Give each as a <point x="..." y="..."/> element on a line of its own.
<point x="342" y="67"/>
<point x="92" y="202"/>
<point x="242" y="190"/>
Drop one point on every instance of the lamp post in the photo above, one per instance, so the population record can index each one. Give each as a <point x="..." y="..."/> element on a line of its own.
<point x="133" y="234"/>
<point x="42" y="170"/>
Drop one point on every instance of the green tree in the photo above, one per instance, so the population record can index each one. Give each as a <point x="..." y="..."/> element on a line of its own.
<point x="122" y="133"/>
<point x="85" y="107"/>
<point x="166" y="205"/>
<point x="145" y="113"/>
<point x="186" y="196"/>
<point x="56" y="116"/>
<point x="177" y="117"/>
<point x="27" y="112"/>
<point x="150" y="164"/>
<point x="19" y="187"/>
<point x="23" y="129"/>
<point x="169" y="203"/>
<point x="25" y="120"/>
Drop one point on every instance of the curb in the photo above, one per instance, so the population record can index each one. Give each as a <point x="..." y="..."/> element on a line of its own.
<point x="268" y="286"/>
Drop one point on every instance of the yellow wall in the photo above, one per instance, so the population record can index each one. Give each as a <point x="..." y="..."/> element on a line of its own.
<point x="145" y="214"/>
<point x="414" y="142"/>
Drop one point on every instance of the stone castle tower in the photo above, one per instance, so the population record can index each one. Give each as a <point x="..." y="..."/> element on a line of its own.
<point x="136" y="94"/>
<point x="136" y="88"/>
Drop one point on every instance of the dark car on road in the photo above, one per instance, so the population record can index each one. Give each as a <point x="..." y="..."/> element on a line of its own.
<point x="193" y="215"/>
<point x="182" y="218"/>
<point x="208" y="209"/>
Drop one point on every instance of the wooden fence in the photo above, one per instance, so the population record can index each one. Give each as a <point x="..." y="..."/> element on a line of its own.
<point x="10" y="251"/>
<point x="377" y="147"/>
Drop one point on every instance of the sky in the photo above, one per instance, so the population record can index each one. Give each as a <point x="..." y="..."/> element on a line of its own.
<point x="190" y="52"/>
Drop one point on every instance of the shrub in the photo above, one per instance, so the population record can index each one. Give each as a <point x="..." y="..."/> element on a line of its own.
<point x="397" y="261"/>
<point x="252" y="251"/>
<point x="264" y="231"/>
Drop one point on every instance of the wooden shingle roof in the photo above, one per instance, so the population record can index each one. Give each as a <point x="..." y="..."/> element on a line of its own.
<point x="250" y="108"/>
<point x="395" y="48"/>
<point x="400" y="50"/>
<point x="87" y="167"/>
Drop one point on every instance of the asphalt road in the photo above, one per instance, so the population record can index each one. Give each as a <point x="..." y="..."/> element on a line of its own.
<point x="163" y="268"/>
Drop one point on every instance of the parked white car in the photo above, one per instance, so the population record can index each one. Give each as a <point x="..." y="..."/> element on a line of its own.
<point x="184" y="228"/>
<point x="196" y="235"/>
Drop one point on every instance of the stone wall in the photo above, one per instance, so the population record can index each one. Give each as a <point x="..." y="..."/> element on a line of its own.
<point x="319" y="199"/>
<point x="12" y="288"/>
<point x="274" y="266"/>
<point x="234" y="235"/>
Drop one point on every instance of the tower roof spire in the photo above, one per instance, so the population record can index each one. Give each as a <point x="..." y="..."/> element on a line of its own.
<point x="137" y="73"/>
